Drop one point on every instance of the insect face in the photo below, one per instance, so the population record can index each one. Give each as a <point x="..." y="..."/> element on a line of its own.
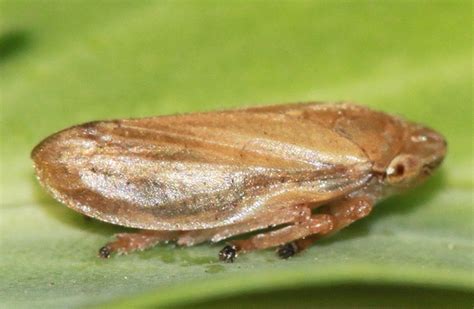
<point x="423" y="151"/>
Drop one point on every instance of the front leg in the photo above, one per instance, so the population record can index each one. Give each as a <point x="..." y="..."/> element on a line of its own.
<point x="350" y="210"/>
<point x="343" y="213"/>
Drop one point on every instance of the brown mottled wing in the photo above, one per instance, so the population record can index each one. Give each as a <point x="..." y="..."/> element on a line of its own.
<point x="197" y="171"/>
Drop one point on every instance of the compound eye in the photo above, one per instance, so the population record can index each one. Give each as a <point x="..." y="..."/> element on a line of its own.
<point x="395" y="173"/>
<point x="399" y="170"/>
<point x="402" y="169"/>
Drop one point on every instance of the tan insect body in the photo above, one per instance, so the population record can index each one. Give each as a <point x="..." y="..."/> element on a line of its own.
<point x="309" y="169"/>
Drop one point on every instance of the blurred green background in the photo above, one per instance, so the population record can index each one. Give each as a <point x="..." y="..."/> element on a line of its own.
<point x="66" y="62"/>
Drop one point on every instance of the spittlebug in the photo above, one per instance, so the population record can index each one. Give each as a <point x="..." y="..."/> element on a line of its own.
<point x="298" y="169"/>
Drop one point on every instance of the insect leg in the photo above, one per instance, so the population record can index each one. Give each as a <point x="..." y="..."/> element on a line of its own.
<point x="289" y="249"/>
<point x="343" y="213"/>
<point x="129" y="242"/>
<point x="316" y="224"/>
<point x="349" y="210"/>
<point x="269" y="219"/>
<point x="300" y="235"/>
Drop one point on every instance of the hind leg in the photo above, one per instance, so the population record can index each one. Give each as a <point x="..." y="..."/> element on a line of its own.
<point x="264" y="221"/>
<point x="129" y="242"/>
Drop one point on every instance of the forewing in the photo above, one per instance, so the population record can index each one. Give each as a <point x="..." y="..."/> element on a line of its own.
<point x="197" y="171"/>
<point x="379" y="135"/>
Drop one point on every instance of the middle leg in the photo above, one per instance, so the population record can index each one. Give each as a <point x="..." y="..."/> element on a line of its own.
<point x="315" y="224"/>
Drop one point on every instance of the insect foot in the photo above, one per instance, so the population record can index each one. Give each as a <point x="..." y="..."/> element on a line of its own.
<point x="228" y="254"/>
<point x="104" y="252"/>
<point x="287" y="250"/>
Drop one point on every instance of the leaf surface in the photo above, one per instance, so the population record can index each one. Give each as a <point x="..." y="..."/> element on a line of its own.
<point x="63" y="63"/>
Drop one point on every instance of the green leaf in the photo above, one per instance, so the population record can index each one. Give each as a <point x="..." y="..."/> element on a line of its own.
<point x="63" y="63"/>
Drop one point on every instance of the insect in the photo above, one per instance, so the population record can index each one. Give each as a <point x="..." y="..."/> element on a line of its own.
<point x="290" y="173"/>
